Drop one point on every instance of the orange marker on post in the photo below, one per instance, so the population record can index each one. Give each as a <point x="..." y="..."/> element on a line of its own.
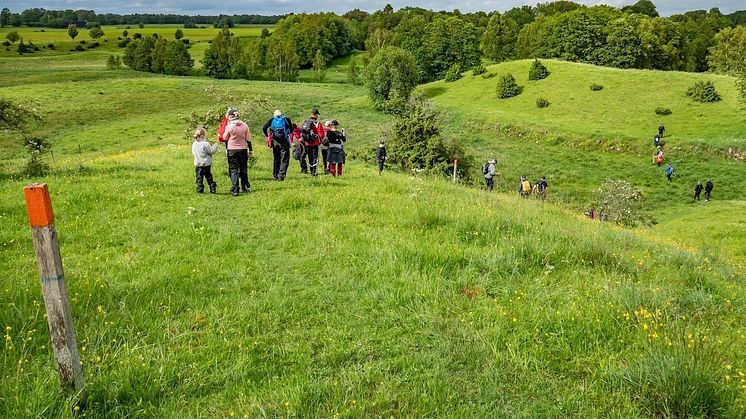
<point x="59" y="316"/>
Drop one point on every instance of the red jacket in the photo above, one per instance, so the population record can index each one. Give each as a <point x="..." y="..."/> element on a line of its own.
<point x="320" y="133"/>
<point x="221" y="130"/>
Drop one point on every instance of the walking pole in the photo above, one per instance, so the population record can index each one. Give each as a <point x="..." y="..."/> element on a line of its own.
<point x="59" y="317"/>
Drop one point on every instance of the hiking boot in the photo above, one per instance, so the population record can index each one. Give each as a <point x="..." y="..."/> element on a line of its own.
<point x="214" y="188"/>
<point x="235" y="193"/>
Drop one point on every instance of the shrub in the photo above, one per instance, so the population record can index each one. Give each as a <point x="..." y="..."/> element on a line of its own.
<point x="390" y="77"/>
<point x="79" y="48"/>
<point x="542" y="102"/>
<point x="22" y="48"/>
<point x="82" y="41"/>
<point x="507" y="87"/>
<point x="662" y="111"/>
<point x="703" y="91"/>
<point x="453" y="73"/>
<point x="185" y="41"/>
<point x="114" y="62"/>
<point x="538" y="71"/>
<point x="36" y="149"/>
<point x="596" y="87"/>
<point x="50" y="45"/>
<point x="137" y="35"/>
<point x="488" y="75"/>
<point x="123" y="43"/>
<point x="617" y="201"/>
<point x="6" y="43"/>
<point x="478" y="69"/>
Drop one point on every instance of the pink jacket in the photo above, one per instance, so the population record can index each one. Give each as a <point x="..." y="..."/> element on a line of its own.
<point x="237" y="135"/>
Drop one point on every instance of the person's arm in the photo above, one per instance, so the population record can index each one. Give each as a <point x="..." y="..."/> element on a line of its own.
<point x="212" y="149"/>
<point x="266" y="126"/>
<point x="288" y="125"/>
<point x="248" y="140"/>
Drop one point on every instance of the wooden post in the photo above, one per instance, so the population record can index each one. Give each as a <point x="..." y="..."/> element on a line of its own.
<point x="59" y="317"/>
<point x="455" y="165"/>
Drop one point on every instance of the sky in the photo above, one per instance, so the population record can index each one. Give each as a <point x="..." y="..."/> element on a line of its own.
<point x="266" y="7"/>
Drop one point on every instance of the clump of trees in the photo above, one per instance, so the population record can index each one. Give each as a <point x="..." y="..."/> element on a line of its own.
<point x="390" y="77"/>
<point x="158" y="56"/>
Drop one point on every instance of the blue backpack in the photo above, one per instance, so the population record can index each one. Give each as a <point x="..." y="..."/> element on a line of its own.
<point x="279" y="131"/>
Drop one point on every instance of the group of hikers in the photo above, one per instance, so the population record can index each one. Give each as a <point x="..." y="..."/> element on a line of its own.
<point x="525" y="188"/>
<point x="309" y="140"/>
<point x="669" y="171"/>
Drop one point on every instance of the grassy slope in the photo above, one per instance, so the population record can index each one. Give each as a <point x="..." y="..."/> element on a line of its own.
<point x="357" y="296"/>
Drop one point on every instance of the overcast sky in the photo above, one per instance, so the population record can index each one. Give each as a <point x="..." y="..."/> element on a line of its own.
<point x="265" y="7"/>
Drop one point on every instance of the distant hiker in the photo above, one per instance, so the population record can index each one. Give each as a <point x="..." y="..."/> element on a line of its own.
<point x="488" y="170"/>
<point x="336" y="151"/>
<point x="203" y="151"/>
<point x="698" y="190"/>
<point x="657" y="140"/>
<point x="524" y="188"/>
<point x="541" y="187"/>
<point x="324" y="148"/>
<point x="381" y="157"/>
<point x="669" y="171"/>
<point x="237" y="137"/>
<point x="658" y="159"/>
<point x="661" y="130"/>
<point x="280" y="127"/>
<point x="312" y="133"/>
<point x="708" y="189"/>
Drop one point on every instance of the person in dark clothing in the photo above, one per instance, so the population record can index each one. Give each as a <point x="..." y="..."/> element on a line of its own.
<point x="698" y="190"/>
<point x="381" y="157"/>
<point x="657" y="140"/>
<point x="280" y="128"/>
<point x="708" y="189"/>
<point x="336" y="151"/>
<point x="541" y="188"/>
<point x="311" y="134"/>
<point x="661" y="130"/>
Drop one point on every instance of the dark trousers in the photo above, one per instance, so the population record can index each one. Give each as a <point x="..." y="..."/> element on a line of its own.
<point x="490" y="183"/>
<point x="696" y="194"/>
<point x="707" y="195"/>
<point x="204" y="172"/>
<point x="313" y="158"/>
<point x="325" y="157"/>
<point x="380" y="165"/>
<point x="238" y="170"/>
<point x="281" y="152"/>
<point x="304" y="162"/>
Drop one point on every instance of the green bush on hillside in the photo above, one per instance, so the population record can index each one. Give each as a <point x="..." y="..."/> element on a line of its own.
<point x="478" y="70"/>
<point x="703" y="91"/>
<point x="662" y="111"/>
<point x="538" y="71"/>
<point x="741" y="86"/>
<point x="113" y="62"/>
<point x="619" y="202"/>
<point x="542" y="102"/>
<point x="507" y="87"/>
<point x="596" y="87"/>
<point x="453" y="73"/>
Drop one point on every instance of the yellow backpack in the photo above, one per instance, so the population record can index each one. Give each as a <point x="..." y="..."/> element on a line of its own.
<point x="526" y="186"/>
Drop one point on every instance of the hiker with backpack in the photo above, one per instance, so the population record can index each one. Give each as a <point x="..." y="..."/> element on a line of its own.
<point x="661" y="130"/>
<point x="381" y="156"/>
<point x="524" y="188"/>
<point x="299" y="150"/>
<point x="698" y="189"/>
<point x="658" y="158"/>
<point x="312" y="134"/>
<point x="279" y="128"/>
<point x="657" y="140"/>
<point x="336" y="156"/>
<point x="708" y="190"/>
<point x="669" y="171"/>
<point x="541" y="187"/>
<point x="488" y="170"/>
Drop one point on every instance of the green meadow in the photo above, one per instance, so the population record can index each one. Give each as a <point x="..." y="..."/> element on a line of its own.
<point x="366" y="295"/>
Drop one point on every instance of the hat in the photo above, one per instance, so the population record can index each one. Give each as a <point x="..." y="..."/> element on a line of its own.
<point x="278" y="112"/>
<point x="334" y="122"/>
<point x="315" y="111"/>
<point x="232" y="111"/>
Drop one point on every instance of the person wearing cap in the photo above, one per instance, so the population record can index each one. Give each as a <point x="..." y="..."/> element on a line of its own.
<point x="489" y="175"/>
<point x="279" y="128"/>
<point x="312" y="134"/>
<point x="381" y="157"/>
<point x="238" y="142"/>
<point x="336" y="151"/>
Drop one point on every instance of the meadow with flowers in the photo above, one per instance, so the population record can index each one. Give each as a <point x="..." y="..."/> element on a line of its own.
<point x="396" y="296"/>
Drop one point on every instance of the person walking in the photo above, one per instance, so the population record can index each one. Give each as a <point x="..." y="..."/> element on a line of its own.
<point x="698" y="190"/>
<point x="658" y="159"/>
<point x="524" y="188"/>
<point x="381" y="157"/>
<point x="202" y="152"/>
<point x="237" y="137"/>
<point x="708" y="190"/>
<point x="312" y="134"/>
<point x="661" y="130"/>
<point x="541" y="187"/>
<point x="279" y="127"/>
<point x="669" y="171"/>
<point x="336" y="151"/>
<point x="489" y="174"/>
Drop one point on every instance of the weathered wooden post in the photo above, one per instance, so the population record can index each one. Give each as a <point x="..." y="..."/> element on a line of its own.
<point x="59" y="317"/>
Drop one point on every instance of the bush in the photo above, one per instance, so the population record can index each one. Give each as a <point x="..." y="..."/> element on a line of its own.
<point x="538" y="71"/>
<point x="703" y="91"/>
<point x="453" y="73"/>
<point x="542" y="102"/>
<point x="137" y="35"/>
<point x="479" y="69"/>
<point x="79" y="48"/>
<point x="82" y="41"/>
<point x="6" y="43"/>
<point x="50" y="45"/>
<point x="617" y="201"/>
<point x="596" y="87"/>
<point x="507" y="87"/>
<point x="114" y="62"/>
<point x="36" y="149"/>
<point x="123" y="43"/>
<point x="488" y="75"/>
<point x="185" y="41"/>
<point x="662" y="111"/>
<point x="22" y="48"/>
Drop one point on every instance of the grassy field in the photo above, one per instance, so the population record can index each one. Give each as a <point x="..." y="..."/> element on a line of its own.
<point x="362" y="296"/>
